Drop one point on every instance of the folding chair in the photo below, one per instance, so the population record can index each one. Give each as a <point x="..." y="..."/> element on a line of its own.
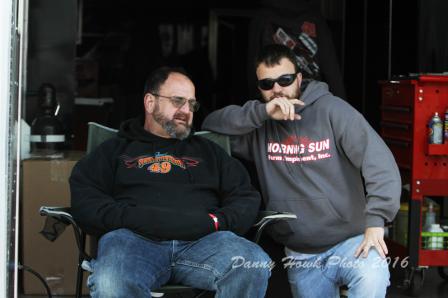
<point x="98" y="134"/>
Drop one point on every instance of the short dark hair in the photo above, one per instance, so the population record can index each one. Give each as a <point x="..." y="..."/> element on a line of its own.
<point x="272" y="54"/>
<point x="159" y="76"/>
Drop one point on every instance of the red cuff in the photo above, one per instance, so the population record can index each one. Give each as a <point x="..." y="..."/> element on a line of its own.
<point x="215" y="221"/>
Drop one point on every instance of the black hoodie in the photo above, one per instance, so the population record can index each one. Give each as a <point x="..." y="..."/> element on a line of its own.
<point x="161" y="188"/>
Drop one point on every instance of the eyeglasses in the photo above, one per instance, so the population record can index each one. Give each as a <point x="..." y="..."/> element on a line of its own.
<point x="283" y="80"/>
<point x="178" y="102"/>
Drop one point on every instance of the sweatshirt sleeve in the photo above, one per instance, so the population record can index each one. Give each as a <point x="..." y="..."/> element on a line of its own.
<point x="367" y="151"/>
<point x="240" y="202"/>
<point x="239" y="122"/>
<point x="97" y="212"/>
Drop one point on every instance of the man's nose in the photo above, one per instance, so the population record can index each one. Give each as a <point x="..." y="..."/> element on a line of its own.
<point x="277" y="88"/>
<point x="185" y="107"/>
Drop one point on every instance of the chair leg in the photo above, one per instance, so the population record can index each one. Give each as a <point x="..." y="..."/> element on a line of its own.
<point x="79" y="279"/>
<point x="80" y="273"/>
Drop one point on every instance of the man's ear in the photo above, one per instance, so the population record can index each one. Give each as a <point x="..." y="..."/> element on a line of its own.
<point x="149" y="102"/>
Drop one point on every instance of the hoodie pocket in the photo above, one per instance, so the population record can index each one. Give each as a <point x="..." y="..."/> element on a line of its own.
<point x="318" y="223"/>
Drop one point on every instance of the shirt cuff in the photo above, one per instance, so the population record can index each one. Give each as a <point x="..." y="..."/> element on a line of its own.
<point x="374" y="221"/>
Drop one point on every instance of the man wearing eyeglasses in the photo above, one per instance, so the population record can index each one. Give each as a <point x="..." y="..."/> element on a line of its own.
<point x="168" y="206"/>
<point x="317" y="157"/>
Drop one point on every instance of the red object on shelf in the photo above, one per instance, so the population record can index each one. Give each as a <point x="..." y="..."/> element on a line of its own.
<point x="407" y="107"/>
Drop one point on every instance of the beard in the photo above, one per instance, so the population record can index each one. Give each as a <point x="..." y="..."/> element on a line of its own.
<point x="294" y="95"/>
<point x="176" y="131"/>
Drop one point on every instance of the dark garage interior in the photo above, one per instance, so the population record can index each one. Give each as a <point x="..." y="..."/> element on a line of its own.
<point x="97" y="49"/>
<point x="96" y="54"/>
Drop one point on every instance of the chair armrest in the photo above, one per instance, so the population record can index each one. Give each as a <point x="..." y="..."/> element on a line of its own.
<point x="267" y="217"/>
<point x="62" y="214"/>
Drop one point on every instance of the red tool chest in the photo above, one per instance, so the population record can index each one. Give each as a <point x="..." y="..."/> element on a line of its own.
<point x="407" y="107"/>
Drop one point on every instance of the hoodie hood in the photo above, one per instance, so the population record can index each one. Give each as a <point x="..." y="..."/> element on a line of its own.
<point x="312" y="91"/>
<point x="133" y="130"/>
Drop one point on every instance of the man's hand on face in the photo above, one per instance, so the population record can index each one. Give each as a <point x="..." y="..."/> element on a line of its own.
<point x="282" y="108"/>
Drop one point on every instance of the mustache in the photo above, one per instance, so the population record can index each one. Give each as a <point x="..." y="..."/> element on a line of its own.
<point x="275" y="95"/>
<point x="181" y="116"/>
<point x="289" y="96"/>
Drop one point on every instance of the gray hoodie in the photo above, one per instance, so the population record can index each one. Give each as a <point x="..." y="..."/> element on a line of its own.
<point x="315" y="168"/>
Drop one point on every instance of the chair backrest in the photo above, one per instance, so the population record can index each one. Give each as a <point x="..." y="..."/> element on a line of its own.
<point x="99" y="133"/>
<point x="221" y="140"/>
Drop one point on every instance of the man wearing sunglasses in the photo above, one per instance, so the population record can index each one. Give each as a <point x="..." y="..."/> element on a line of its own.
<point x="317" y="156"/>
<point x="168" y="206"/>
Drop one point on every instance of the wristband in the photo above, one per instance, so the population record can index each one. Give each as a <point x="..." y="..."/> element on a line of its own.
<point x="215" y="221"/>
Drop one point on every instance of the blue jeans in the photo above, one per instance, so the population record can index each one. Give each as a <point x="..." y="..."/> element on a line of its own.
<point x="323" y="274"/>
<point x="129" y="265"/>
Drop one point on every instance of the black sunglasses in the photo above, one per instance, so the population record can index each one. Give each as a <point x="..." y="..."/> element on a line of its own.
<point x="283" y="80"/>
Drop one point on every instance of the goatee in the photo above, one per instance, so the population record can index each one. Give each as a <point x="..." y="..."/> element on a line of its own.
<point x="174" y="130"/>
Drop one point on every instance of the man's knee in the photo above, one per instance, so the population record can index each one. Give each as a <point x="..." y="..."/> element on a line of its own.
<point x="116" y="238"/>
<point x="241" y="248"/>
<point x="252" y="258"/>
<point x="118" y="273"/>
<point x="246" y="271"/>
<point x="246" y="256"/>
